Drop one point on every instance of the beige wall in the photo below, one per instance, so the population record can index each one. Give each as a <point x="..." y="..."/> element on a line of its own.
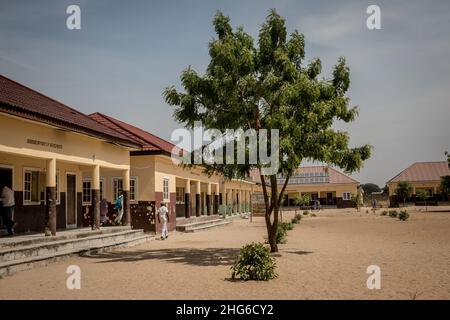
<point x="76" y="148"/>
<point x="19" y="164"/>
<point x="433" y="185"/>
<point x="338" y="189"/>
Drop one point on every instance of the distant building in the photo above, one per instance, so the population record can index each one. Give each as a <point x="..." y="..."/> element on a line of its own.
<point x="329" y="186"/>
<point x="421" y="175"/>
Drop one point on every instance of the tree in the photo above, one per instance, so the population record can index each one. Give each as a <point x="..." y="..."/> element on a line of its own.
<point x="303" y="200"/>
<point x="445" y="185"/>
<point x="385" y="189"/>
<point x="370" y="187"/>
<point x="404" y="190"/>
<point x="422" y="195"/>
<point x="268" y="86"/>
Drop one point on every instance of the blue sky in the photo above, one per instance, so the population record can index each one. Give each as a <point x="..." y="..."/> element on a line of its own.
<point x="127" y="52"/>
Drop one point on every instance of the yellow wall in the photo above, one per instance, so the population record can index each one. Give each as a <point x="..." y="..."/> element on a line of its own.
<point x="19" y="164"/>
<point x="76" y="148"/>
<point x="433" y="185"/>
<point x="322" y="189"/>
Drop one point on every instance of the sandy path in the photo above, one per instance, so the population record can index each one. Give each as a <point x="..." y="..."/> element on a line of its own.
<point x="325" y="258"/>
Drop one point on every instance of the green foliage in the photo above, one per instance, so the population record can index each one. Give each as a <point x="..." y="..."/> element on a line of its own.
<point x="404" y="190"/>
<point x="287" y="225"/>
<point x="445" y="185"/>
<point x="422" y="195"/>
<point x="393" y="213"/>
<point x="370" y="187"/>
<point x="384" y="213"/>
<point x="313" y="215"/>
<point x="281" y="234"/>
<point x="303" y="200"/>
<point x="254" y="263"/>
<point x="403" y="215"/>
<point x="385" y="189"/>
<point x="266" y="84"/>
<point x="305" y="213"/>
<point x="297" y="218"/>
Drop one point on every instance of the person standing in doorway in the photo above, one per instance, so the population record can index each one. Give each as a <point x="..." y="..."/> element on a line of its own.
<point x="8" y="205"/>
<point x="163" y="217"/>
<point x="119" y="207"/>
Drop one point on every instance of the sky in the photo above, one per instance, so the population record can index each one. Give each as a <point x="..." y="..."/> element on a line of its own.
<point x="127" y="52"/>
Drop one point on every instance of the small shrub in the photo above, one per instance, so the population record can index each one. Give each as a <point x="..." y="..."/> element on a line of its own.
<point x="393" y="213"/>
<point x="296" y="219"/>
<point x="313" y="215"/>
<point x="287" y="225"/>
<point x="254" y="263"/>
<point x="384" y="213"/>
<point x="281" y="233"/>
<point x="403" y="216"/>
<point x="305" y="213"/>
<point x="367" y="211"/>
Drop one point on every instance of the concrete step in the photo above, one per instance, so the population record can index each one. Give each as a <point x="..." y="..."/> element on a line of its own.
<point x="26" y="257"/>
<point x="202" y="225"/>
<point x="35" y="238"/>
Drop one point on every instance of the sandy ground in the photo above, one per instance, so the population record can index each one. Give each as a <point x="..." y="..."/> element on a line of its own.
<point x="326" y="257"/>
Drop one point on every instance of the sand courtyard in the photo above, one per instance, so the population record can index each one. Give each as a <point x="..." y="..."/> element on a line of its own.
<point x="325" y="257"/>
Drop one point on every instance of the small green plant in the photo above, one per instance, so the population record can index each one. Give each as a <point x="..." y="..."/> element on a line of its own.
<point x="384" y="213"/>
<point x="254" y="263"/>
<point x="281" y="233"/>
<point x="296" y="219"/>
<point x="393" y="213"/>
<point x="287" y="225"/>
<point x="403" y="215"/>
<point x="313" y="215"/>
<point x="305" y="213"/>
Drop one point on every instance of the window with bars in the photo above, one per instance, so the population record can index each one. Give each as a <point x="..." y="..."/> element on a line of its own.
<point x="117" y="186"/>
<point x="180" y="195"/>
<point x="165" y="189"/>
<point x="346" y="196"/>
<point x="31" y="192"/>
<point x="133" y="187"/>
<point x="86" y="196"/>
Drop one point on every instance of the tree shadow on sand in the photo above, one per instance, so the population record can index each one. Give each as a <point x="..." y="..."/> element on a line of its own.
<point x="189" y="256"/>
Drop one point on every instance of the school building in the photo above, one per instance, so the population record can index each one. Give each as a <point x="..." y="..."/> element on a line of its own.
<point x="188" y="192"/>
<point x="45" y="149"/>
<point x="60" y="163"/>
<point x="421" y="175"/>
<point x="325" y="184"/>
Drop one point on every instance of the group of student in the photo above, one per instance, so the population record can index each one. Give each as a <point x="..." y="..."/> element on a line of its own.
<point x="8" y="204"/>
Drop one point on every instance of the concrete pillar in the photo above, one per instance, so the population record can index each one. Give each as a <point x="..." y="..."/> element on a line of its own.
<point x="187" y="199"/>
<point x="50" y="189"/>
<point x="95" y="197"/>
<point x="198" y="206"/>
<point x="126" y="197"/>
<point x="208" y="200"/>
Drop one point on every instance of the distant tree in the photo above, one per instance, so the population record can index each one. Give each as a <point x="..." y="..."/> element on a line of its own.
<point x="445" y="185"/>
<point x="423" y="195"/>
<point x="303" y="200"/>
<point x="445" y="180"/>
<point x="370" y="187"/>
<point x="448" y="158"/>
<point x="404" y="190"/>
<point x="385" y="189"/>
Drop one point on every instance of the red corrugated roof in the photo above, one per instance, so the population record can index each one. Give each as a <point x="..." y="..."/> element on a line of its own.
<point x="423" y="171"/>
<point x="149" y="141"/>
<point x="19" y="100"/>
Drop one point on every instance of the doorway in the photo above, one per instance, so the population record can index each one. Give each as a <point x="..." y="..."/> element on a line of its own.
<point x="71" y="200"/>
